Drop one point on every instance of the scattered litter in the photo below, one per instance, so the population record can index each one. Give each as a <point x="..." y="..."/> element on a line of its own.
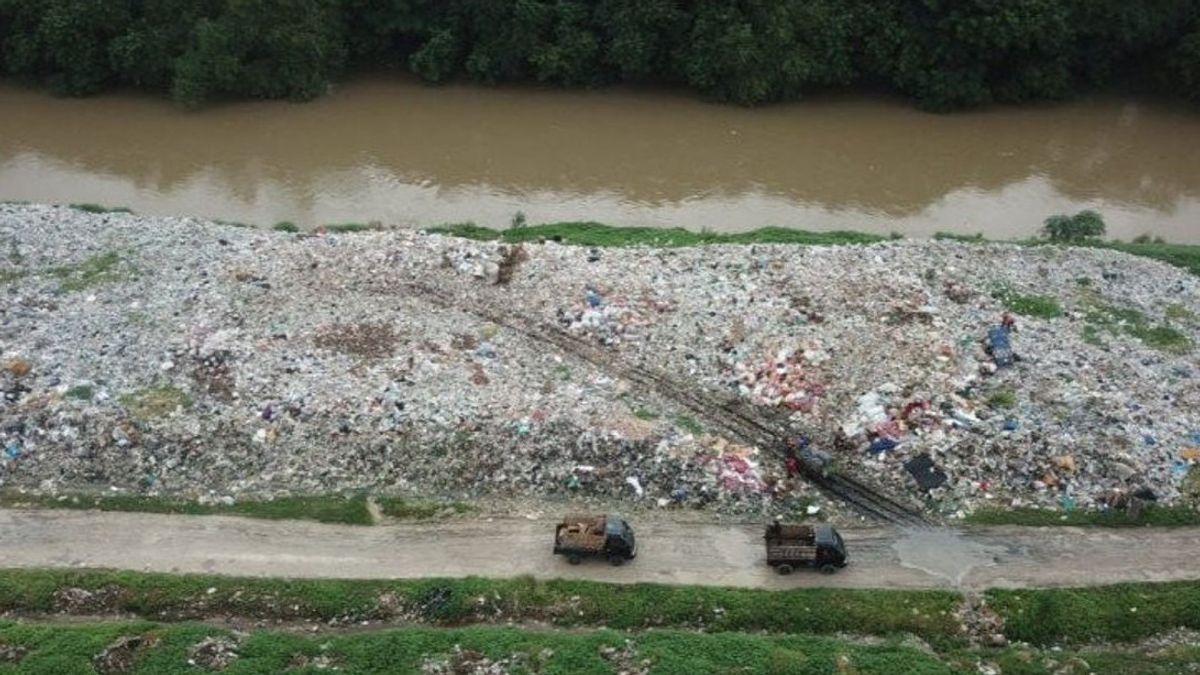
<point x="925" y="472"/>
<point x="213" y="653"/>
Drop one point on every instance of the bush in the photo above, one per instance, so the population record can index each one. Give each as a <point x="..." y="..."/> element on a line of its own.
<point x="1080" y="227"/>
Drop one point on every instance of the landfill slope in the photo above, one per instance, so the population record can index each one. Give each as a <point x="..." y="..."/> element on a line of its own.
<point x="175" y="355"/>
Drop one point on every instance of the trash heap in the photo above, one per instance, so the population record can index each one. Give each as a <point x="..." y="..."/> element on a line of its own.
<point x="173" y="355"/>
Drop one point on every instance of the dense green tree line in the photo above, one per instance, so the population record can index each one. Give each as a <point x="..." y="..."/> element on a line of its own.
<point x="943" y="53"/>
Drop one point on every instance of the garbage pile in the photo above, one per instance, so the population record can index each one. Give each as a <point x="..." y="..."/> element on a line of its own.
<point x="213" y="653"/>
<point x="173" y="355"/>
<point x="470" y="662"/>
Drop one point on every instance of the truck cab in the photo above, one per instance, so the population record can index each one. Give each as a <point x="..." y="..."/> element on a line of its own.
<point x="831" y="549"/>
<point x="619" y="538"/>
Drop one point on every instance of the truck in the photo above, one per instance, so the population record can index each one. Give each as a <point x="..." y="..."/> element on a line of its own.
<point x="581" y="536"/>
<point x="792" y="546"/>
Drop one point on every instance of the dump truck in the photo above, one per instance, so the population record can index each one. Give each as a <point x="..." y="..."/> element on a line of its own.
<point x="581" y="536"/>
<point x="792" y="546"/>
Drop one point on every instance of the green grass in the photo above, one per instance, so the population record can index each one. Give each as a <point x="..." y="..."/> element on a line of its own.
<point x="1151" y="516"/>
<point x="70" y="648"/>
<point x="285" y="226"/>
<point x="95" y="270"/>
<point x="976" y="238"/>
<point x="689" y="424"/>
<point x="157" y="401"/>
<point x="80" y="392"/>
<point x="597" y="234"/>
<point x="351" y="510"/>
<point x="645" y="414"/>
<point x="1122" y="612"/>
<point x="97" y="208"/>
<point x="346" y="228"/>
<point x="761" y="631"/>
<point x="560" y="603"/>
<point x="1131" y="322"/>
<point x="1040" y="306"/>
<point x="9" y="276"/>
<point x="1178" y="312"/>
<point x="408" y="509"/>
<point x="1004" y="399"/>
<point x="1185" y="256"/>
<point x="64" y="649"/>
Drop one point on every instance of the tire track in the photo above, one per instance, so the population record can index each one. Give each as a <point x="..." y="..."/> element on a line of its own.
<point x="733" y="416"/>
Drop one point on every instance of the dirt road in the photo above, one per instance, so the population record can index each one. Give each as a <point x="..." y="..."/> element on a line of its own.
<point x="668" y="552"/>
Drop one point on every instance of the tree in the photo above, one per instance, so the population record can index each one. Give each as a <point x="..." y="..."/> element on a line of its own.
<point x="1080" y="227"/>
<point x="263" y="49"/>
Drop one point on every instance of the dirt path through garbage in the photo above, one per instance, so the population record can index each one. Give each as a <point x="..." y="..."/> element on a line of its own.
<point x="669" y="552"/>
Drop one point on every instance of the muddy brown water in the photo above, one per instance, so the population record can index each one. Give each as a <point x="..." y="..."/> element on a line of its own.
<point x="395" y="151"/>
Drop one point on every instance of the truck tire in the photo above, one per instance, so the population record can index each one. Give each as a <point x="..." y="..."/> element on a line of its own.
<point x="616" y="560"/>
<point x="784" y="569"/>
<point x="828" y="569"/>
<point x="573" y="559"/>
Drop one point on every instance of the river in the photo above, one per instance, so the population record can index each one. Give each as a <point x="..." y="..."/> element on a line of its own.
<point x="401" y="153"/>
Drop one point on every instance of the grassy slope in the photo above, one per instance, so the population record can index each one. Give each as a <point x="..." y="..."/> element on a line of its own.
<point x="61" y="649"/>
<point x="70" y="649"/>
<point x="1068" y="616"/>
<point x="744" y="631"/>
<point x="1186" y="256"/>
<point x="459" y="601"/>
<point x="1106" y="613"/>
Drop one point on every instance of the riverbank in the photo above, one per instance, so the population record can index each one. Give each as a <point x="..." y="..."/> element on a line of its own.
<point x="184" y="357"/>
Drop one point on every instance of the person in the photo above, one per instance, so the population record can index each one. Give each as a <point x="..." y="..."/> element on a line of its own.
<point x="793" y="466"/>
<point x="776" y="529"/>
<point x="1009" y="322"/>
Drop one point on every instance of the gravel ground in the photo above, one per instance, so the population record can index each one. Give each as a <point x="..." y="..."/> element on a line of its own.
<point x="176" y="355"/>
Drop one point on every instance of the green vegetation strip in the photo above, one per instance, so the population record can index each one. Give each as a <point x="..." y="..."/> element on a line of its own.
<point x="345" y="509"/>
<point x="65" y="649"/>
<point x="1185" y="256"/>
<point x="408" y="509"/>
<point x="351" y="510"/>
<point x="597" y="234"/>
<point x="1149" y="516"/>
<point x="451" y="602"/>
<point x="97" y="208"/>
<point x="166" y="649"/>
<point x="1123" y="612"/>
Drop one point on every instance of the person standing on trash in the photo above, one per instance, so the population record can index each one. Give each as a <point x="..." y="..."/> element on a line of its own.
<point x="800" y="454"/>
<point x="790" y="461"/>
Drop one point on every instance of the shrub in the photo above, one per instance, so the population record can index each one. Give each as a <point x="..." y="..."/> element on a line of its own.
<point x="1080" y="227"/>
